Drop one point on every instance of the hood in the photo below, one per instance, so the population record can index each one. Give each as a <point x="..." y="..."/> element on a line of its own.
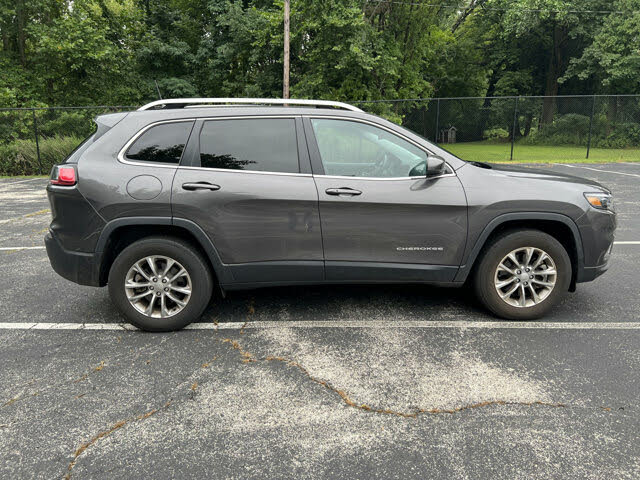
<point x="528" y="172"/>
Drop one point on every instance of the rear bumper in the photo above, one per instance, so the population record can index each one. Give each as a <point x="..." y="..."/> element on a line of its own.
<point x="81" y="268"/>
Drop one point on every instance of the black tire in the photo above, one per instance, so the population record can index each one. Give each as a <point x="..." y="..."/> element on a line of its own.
<point x="485" y="273"/>
<point x="183" y="253"/>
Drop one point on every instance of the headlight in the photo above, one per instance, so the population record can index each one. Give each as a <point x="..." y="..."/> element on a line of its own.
<point x="600" y="200"/>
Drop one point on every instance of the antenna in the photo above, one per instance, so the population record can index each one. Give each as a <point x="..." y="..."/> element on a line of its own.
<point x="158" y="89"/>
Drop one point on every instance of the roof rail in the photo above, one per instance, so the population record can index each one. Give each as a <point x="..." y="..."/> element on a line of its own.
<point x="211" y="102"/>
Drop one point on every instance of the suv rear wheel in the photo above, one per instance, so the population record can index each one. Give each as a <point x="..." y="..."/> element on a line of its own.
<point x="523" y="275"/>
<point x="160" y="284"/>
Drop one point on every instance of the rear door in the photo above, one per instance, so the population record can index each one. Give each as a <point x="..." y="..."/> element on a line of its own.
<point x="248" y="185"/>
<point x="382" y="218"/>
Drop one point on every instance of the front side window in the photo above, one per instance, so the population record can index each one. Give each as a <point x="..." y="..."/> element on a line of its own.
<point x="260" y="144"/>
<point x="162" y="143"/>
<point x="355" y="149"/>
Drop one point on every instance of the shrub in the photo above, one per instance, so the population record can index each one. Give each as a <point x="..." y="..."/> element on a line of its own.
<point x="568" y="129"/>
<point x="20" y="156"/>
<point x="75" y="123"/>
<point x="496" y="134"/>
<point x="621" y="135"/>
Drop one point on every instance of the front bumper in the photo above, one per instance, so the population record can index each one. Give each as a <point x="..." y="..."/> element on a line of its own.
<point x="588" y="274"/>
<point x="81" y="268"/>
<point x="597" y="230"/>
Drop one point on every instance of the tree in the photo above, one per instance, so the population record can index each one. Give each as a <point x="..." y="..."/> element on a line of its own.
<point x="613" y="56"/>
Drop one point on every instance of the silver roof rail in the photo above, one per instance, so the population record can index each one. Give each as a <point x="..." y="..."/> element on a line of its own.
<point x="215" y="102"/>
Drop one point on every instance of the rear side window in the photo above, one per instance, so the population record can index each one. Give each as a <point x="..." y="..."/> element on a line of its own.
<point x="261" y="144"/>
<point x="163" y="143"/>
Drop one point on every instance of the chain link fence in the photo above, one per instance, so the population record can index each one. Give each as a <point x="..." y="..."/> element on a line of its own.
<point x="526" y="129"/>
<point x="32" y="140"/>
<point x="492" y="129"/>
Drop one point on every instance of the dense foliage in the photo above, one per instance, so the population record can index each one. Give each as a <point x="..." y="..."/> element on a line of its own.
<point x="123" y="52"/>
<point x="64" y="52"/>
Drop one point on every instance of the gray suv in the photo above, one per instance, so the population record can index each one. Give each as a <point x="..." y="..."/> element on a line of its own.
<point x="181" y="196"/>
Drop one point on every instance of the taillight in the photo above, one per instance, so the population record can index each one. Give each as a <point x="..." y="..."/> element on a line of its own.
<point x="63" y="175"/>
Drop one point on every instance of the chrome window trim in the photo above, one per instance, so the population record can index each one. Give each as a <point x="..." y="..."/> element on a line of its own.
<point x="122" y="158"/>
<point x="421" y="177"/>
<point x="392" y="132"/>
<point x="123" y="150"/>
<point x="231" y="170"/>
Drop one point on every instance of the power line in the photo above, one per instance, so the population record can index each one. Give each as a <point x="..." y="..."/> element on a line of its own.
<point x="499" y="9"/>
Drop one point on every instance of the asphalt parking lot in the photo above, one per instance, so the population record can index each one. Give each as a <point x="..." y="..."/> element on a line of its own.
<point x="327" y="382"/>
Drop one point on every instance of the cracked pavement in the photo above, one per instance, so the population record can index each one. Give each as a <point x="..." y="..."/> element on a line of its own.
<point x="320" y="402"/>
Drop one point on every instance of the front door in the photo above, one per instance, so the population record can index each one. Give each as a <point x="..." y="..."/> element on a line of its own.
<point x="382" y="218"/>
<point x="244" y="186"/>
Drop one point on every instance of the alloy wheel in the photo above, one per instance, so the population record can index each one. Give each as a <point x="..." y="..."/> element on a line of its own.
<point x="158" y="286"/>
<point x="525" y="277"/>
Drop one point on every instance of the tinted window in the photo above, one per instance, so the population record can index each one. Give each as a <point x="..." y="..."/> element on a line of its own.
<point x="357" y="149"/>
<point x="267" y="145"/>
<point x="163" y="143"/>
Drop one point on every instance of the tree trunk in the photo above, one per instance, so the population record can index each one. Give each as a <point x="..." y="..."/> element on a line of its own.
<point x="554" y="71"/>
<point x="527" y="124"/>
<point x="486" y="104"/>
<point x="21" y="38"/>
<point x="515" y="131"/>
<point x="6" y="39"/>
<point x="612" y="113"/>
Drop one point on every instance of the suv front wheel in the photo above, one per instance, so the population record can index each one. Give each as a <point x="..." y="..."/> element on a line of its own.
<point x="523" y="274"/>
<point x="160" y="284"/>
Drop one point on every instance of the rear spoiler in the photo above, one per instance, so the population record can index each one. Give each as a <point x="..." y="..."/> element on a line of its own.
<point x="107" y="122"/>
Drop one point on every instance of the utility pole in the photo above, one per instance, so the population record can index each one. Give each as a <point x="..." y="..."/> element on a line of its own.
<point x="285" y="80"/>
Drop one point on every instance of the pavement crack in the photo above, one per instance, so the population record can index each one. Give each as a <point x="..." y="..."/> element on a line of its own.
<point x="347" y="400"/>
<point x="105" y="433"/>
<point x="246" y="356"/>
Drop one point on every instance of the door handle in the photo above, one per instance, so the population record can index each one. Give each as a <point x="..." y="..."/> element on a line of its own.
<point x="343" y="191"/>
<point x="200" y="186"/>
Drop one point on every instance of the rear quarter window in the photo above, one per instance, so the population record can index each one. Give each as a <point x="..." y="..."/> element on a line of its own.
<point x="162" y="143"/>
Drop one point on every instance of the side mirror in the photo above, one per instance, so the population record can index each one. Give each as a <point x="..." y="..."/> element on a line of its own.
<point x="435" y="166"/>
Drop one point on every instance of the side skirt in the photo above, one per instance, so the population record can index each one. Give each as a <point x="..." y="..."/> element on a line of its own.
<point x="270" y="274"/>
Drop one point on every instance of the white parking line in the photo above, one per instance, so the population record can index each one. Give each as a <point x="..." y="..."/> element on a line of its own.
<point x="598" y="170"/>
<point x="338" y="324"/>
<point x="21" y="181"/>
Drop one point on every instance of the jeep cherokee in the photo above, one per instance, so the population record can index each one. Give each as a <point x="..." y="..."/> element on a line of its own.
<point x="167" y="202"/>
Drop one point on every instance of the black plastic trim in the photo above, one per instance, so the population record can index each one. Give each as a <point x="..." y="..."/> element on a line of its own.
<point x="78" y="267"/>
<point x="312" y="145"/>
<point x="280" y="271"/>
<point x="124" y="221"/>
<point x="465" y="269"/>
<point x="388" y="272"/>
<point x="222" y="273"/>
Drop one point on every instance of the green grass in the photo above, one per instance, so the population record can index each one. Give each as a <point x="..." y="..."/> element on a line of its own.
<point x="500" y="152"/>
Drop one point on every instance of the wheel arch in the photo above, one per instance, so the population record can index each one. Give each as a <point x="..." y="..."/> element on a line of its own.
<point x="559" y="226"/>
<point x="121" y="232"/>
